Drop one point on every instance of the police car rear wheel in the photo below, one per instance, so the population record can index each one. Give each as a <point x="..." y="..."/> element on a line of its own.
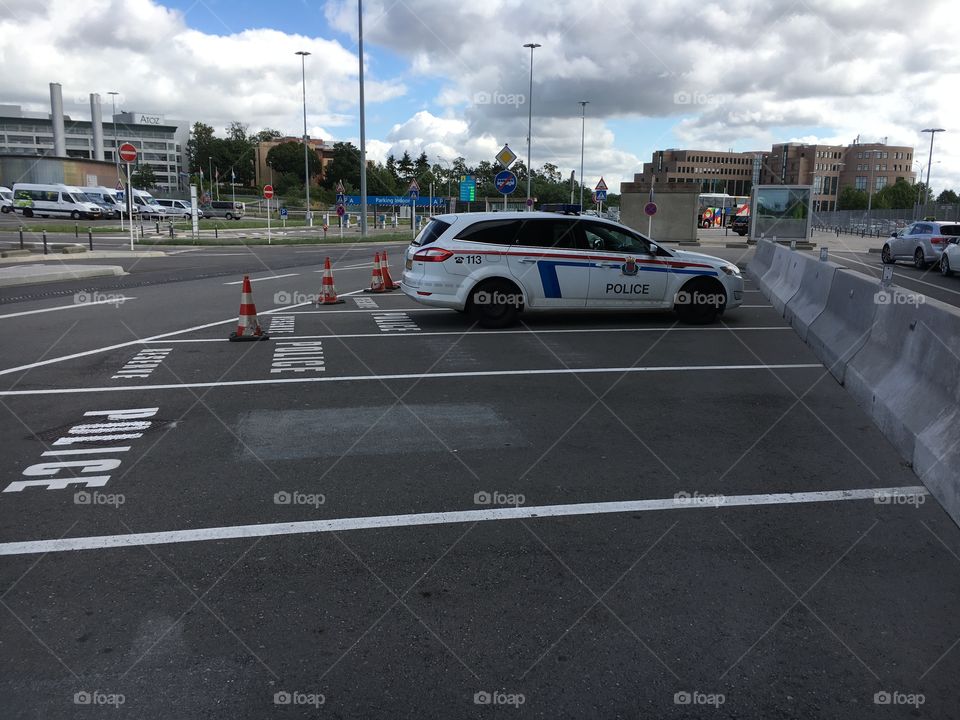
<point x="493" y="304"/>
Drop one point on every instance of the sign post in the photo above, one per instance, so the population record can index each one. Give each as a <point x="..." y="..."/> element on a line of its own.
<point x="268" y="193"/>
<point x="600" y="192"/>
<point x="194" y="219"/>
<point x="128" y="153"/>
<point x="121" y="196"/>
<point x="414" y="191"/>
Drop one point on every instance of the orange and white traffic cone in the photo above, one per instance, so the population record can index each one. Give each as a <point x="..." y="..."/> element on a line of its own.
<point x="248" y="327"/>
<point x="328" y="295"/>
<point x="388" y="282"/>
<point x="376" y="280"/>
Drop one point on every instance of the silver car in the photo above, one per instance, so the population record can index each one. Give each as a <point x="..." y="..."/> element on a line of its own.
<point x="921" y="243"/>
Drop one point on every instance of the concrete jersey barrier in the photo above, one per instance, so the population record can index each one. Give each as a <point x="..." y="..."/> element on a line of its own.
<point x="810" y="300"/>
<point x="844" y="326"/>
<point x="762" y="259"/>
<point x="783" y="287"/>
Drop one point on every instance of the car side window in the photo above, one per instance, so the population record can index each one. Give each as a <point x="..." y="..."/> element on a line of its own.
<point x="493" y="232"/>
<point x="611" y="239"/>
<point x="548" y="234"/>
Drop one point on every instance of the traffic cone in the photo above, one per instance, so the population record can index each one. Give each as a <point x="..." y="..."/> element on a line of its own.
<point x="388" y="282"/>
<point x="248" y="327"/>
<point x="328" y="295"/>
<point x="376" y="280"/>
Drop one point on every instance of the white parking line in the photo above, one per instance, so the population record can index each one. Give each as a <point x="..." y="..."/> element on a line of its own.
<point x="100" y="542"/>
<point x="412" y="376"/>
<point x="269" y="277"/>
<point x="532" y="331"/>
<point x="67" y="307"/>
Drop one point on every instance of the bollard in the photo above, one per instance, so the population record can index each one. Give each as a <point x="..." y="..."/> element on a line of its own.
<point x="141" y="231"/>
<point x="21" y="237"/>
<point x="172" y="235"/>
<point x="76" y="231"/>
<point x="90" y="239"/>
<point x="216" y="234"/>
<point x="44" y="242"/>
<point x="158" y="227"/>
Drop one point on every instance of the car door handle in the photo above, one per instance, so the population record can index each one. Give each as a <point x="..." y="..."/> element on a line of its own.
<point x="528" y="260"/>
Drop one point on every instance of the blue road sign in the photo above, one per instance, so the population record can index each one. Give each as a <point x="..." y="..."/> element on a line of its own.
<point x="414" y="195"/>
<point x="340" y="197"/>
<point x="468" y="189"/>
<point x="601" y="195"/>
<point x="505" y="181"/>
<point x="283" y="212"/>
<point x="121" y="195"/>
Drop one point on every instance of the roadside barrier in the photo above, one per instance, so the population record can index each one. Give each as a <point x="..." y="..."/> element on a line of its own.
<point x="328" y="293"/>
<point x="783" y="284"/>
<point x="810" y="300"/>
<point x="248" y="326"/>
<point x="762" y="259"/>
<point x="844" y="325"/>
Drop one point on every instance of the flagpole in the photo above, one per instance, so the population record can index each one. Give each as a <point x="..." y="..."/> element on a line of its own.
<point x="650" y="217"/>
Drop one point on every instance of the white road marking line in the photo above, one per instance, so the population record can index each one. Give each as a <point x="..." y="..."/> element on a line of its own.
<point x="471" y="333"/>
<point x="348" y="267"/>
<point x="67" y="307"/>
<point x="33" y="547"/>
<point x="754" y="306"/>
<point x="269" y="277"/>
<point x="412" y="376"/>
<point x="130" y="343"/>
<point x="334" y="312"/>
<point x="902" y="277"/>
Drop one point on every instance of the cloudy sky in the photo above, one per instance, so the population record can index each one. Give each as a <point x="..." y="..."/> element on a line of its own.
<point x="451" y="78"/>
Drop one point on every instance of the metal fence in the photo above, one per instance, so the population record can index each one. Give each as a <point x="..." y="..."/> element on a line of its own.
<point x="892" y="219"/>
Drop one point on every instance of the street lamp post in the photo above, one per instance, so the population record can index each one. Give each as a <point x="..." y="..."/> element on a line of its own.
<point x="933" y="132"/>
<point x="583" y="123"/>
<point x="532" y="46"/>
<point x="363" y="132"/>
<point x="306" y="148"/>
<point x="116" y="145"/>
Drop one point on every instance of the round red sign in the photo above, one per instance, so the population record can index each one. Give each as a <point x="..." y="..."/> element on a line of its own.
<point x="268" y="191"/>
<point x="128" y="153"/>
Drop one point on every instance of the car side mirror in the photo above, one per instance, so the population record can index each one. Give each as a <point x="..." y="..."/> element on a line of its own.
<point x="893" y="234"/>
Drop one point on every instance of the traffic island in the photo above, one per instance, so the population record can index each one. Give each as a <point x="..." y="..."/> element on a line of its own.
<point x="20" y="274"/>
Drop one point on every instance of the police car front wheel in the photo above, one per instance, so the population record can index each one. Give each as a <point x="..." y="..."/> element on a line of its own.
<point x="495" y="303"/>
<point x="699" y="302"/>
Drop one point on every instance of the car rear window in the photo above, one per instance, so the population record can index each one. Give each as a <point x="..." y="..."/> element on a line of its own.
<point x="494" y="232"/>
<point x="951" y="230"/>
<point x="434" y="229"/>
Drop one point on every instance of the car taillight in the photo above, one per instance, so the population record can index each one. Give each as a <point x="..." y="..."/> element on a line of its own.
<point x="938" y="240"/>
<point x="433" y="255"/>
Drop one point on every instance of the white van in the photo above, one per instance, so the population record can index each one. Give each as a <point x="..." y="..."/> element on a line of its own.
<point x="54" y="201"/>
<point x="106" y="198"/>
<point x="148" y="206"/>
<point x="179" y="207"/>
<point x="6" y="199"/>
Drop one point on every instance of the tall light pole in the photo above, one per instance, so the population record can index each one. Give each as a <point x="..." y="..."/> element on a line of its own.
<point x="116" y="145"/>
<point x="933" y="132"/>
<point x="306" y="148"/>
<point x="583" y="124"/>
<point x="532" y="46"/>
<point x="363" y="131"/>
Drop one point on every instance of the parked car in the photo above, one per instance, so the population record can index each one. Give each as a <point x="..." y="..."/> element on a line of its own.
<point x="740" y="224"/>
<point x="148" y="206"/>
<point x="496" y="265"/>
<point x="919" y="242"/>
<point x="107" y="197"/>
<point x="224" y="209"/>
<point x="6" y="200"/>
<point x="32" y="199"/>
<point x="950" y="257"/>
<point x="178" y="208"/>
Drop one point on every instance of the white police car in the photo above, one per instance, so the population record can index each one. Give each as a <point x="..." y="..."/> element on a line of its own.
<point x="493" y="265"/>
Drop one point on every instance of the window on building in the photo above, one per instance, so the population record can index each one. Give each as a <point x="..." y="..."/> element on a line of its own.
<point x="861" y="182"/>
<point x="880" y="182"/>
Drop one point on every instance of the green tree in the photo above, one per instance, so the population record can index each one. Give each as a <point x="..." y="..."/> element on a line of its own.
<point x="947" y="196"/>
<point x="422" y="165"/>
<point x="288" y="158"/>
<point x="200" y="146"/>
<point x="405" y="168"/>
<point x="392" y="167"/>
<point x="344" y="166"/>
<point x="852" y="199"/>
<point x="901" y="195"/>
<point x="267" y="134"/>
<point x="143" y="177"/>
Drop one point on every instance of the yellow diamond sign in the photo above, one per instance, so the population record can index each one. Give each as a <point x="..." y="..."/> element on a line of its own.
<point x="506" y="156"/>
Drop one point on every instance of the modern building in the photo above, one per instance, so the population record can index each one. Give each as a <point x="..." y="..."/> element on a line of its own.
<point x="264" y="173"/>
<point x="828" y="168"/>
<point x="161" y="143"/>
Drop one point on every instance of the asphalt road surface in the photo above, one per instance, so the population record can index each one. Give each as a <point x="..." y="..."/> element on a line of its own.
<point x="385" y="512"/>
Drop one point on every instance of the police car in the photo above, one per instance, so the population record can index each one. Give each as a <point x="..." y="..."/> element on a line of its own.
<point x="495" y="265"/>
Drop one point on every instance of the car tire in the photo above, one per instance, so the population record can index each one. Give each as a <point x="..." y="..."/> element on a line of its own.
<point x="4" y="210"/>
<point x="492" y="314"/>
<point x="74" y="215"/>
<point x="919" y="261"/>
<point x="27" y="212"/>
<point x="885" y="257"/>
<point x="229" y="216"/>
<point x="695" y="308"/>
<point x="945" y="269"/>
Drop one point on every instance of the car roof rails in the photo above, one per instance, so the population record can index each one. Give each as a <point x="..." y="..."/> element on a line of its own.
<point x="562" y="208"/>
